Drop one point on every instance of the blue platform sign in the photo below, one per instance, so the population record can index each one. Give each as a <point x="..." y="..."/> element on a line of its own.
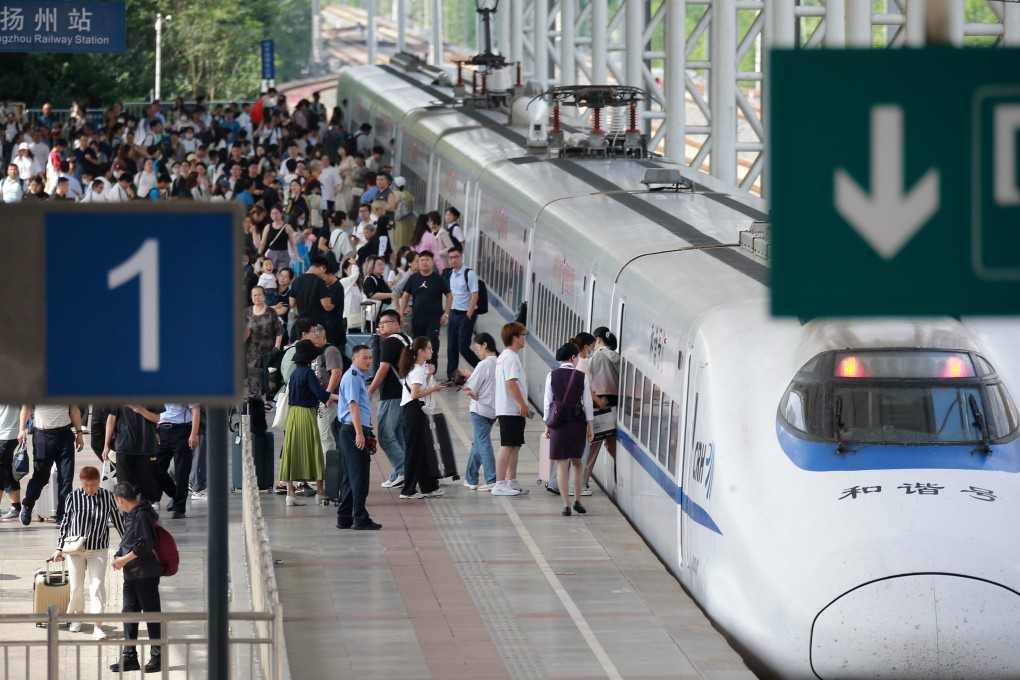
<point x="142" y="305"/>
<point x="268" y="63"/>
<point x="61" y="26"/>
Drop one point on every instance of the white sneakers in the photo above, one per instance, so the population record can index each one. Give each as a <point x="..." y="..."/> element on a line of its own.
<point x="503" y="488"/>
<point x="485" y="487"/>
<point x="438" y="493"/>
<point x="470" y="485"/>
<point x="74" y="627"/>
<point x="415" y="496"/>
<point x="515" y="485"/>
<point x="396" y="482"/>
<point x="98" y="633"/>
<point x="292" y="502"/>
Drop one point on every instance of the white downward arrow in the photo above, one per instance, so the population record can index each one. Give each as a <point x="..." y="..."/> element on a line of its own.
<point x="887" y="218"/>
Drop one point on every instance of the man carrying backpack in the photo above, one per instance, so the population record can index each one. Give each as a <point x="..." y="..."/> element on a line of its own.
<point x="464" y="287"/>
<point x="142" y="571"/>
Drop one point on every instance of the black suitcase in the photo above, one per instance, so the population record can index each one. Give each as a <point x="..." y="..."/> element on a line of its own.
<point x="442" y="463"/>
<point x="262" y="446"/>
<point x="333" y="476"/>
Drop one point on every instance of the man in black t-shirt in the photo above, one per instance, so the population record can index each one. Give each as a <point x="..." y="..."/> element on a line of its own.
<point x="432" y="300"/>
<point x="309" y="295"/>
<point x="131" y="432"/>
<point x="389" y="423"/>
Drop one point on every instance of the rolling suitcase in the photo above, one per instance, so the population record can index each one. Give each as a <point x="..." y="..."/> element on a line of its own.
<point x="544" y="464"/>
<point x="262" y="446"/>
<point x="45" y="507"/>
<point x="51" y="587"/>
<point x="443" y="463"/>
<point x="334" y="474"/>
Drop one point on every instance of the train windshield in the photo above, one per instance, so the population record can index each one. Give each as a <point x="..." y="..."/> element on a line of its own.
<point x="899" y="397"/>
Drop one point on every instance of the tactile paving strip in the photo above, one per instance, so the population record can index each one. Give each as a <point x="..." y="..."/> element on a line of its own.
<point x="521" y="658"/>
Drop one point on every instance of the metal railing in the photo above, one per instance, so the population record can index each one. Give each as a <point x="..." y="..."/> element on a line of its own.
<point x="265" y="597"/>
<point x="256" y="641"/>
<point x="183" y="639"/>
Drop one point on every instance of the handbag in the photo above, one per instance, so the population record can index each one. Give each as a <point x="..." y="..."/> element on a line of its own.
<point x="21" y="463"/>
<point x="282" y="409"/>
<point x="108" y="476"/>
<point x="73" y="544"/>
<point x="428" y="401"/>
<point x="605" y="424"/>
<point x="557" y="414"/>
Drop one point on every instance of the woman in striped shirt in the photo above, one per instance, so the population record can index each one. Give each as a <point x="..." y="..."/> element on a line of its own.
<point x="86" y="513"/>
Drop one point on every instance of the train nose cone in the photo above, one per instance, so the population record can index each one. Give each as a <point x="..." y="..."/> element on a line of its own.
<point x="919" y="626"/>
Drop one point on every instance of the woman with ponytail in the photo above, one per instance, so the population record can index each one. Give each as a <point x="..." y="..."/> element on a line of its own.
<point x="416" y="380"/>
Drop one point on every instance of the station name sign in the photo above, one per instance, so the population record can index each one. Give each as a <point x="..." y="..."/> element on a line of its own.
<point x="58" y="26"/>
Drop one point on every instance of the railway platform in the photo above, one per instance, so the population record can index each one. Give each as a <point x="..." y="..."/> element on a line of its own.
<point x="473" y="585"/>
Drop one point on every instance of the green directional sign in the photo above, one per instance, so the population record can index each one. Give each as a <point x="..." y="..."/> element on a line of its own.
<point x="895" y="182"/>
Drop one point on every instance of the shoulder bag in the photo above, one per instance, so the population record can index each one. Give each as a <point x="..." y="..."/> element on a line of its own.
<point x="557" y="414"/>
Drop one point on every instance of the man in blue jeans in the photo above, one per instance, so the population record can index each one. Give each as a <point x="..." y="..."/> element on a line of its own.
<point x="390" y="428"/>
<point x="354" y="412"/>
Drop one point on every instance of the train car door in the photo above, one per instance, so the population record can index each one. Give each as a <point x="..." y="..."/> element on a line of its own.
<point x="695" y="374"/>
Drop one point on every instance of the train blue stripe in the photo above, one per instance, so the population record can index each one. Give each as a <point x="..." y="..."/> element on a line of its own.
<point x="697" y="513"/>
<point x="822" y="457"/>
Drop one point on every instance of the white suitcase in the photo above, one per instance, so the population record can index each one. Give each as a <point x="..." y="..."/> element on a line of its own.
<point x="45" y="508"/>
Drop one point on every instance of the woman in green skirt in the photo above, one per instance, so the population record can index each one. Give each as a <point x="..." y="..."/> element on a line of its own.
<point x="302" y="453"/>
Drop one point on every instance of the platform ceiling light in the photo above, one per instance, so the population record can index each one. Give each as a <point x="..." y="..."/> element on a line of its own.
<point x="486" y="5"/>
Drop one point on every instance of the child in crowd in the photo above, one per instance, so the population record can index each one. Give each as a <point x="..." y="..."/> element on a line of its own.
<point x="268" y="281"/>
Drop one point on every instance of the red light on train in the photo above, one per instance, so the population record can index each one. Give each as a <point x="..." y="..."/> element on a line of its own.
<point x="955" y="367"/>
<point x="850" y="367"/>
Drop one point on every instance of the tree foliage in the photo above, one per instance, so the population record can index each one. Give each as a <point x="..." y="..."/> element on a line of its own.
<point x="210" y="47"/>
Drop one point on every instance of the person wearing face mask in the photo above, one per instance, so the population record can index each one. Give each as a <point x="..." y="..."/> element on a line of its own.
<point x="87" y="512"/>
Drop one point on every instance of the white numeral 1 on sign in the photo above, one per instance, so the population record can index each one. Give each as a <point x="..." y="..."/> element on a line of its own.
<point x="145" y="265"/>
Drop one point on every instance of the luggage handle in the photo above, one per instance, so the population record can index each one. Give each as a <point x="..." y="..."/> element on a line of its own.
<point x="55" y="575"/>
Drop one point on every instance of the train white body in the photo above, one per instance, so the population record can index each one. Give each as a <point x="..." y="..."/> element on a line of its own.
<point x="822" y="489"/>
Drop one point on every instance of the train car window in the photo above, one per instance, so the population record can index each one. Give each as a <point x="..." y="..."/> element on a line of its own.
<point x="625" y="402"/>
<point x="674" y="436"/>
<point x="659" y="426"/>
<point x="633" y="393"/>
<point x="911" y="397"/>
<point x="646" y="411"/>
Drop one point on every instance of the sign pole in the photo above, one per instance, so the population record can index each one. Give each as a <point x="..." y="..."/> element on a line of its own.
<point x="218" y="551"/>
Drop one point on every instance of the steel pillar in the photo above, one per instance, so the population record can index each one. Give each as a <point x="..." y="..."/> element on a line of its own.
<point x="371" y="42"/>
<point x="723" y="90"/>
<point x="540" y="42"/>
<point x="599" y="41"/>
<point x="674" y="79"/>
<point x="401" y="6"/>
<point x="858" y="23"/>
<point x="516" y="32"/>
<point x="435" y="32"/>
<point x="568" y="21"/>
<point x="502" y="27"/>
<point x="635" y="48"/>
<point x="835" y="23"/>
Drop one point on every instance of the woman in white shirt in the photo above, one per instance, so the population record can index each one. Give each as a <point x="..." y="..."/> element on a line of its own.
<point x="416" y="379"/>
<point x="480" y="386"/>
<point x="353" y="297"/>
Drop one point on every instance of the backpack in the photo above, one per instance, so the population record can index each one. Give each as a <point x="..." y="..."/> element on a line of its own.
<point x="166" y="551"/>
<point x="456" y="242"/>
<point x="403" y="206"/>
<point x="351" y="144"/>
<point x="482" y="304"/>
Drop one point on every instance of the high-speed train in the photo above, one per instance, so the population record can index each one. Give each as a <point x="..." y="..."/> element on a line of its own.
<point x="838" y="496"/>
